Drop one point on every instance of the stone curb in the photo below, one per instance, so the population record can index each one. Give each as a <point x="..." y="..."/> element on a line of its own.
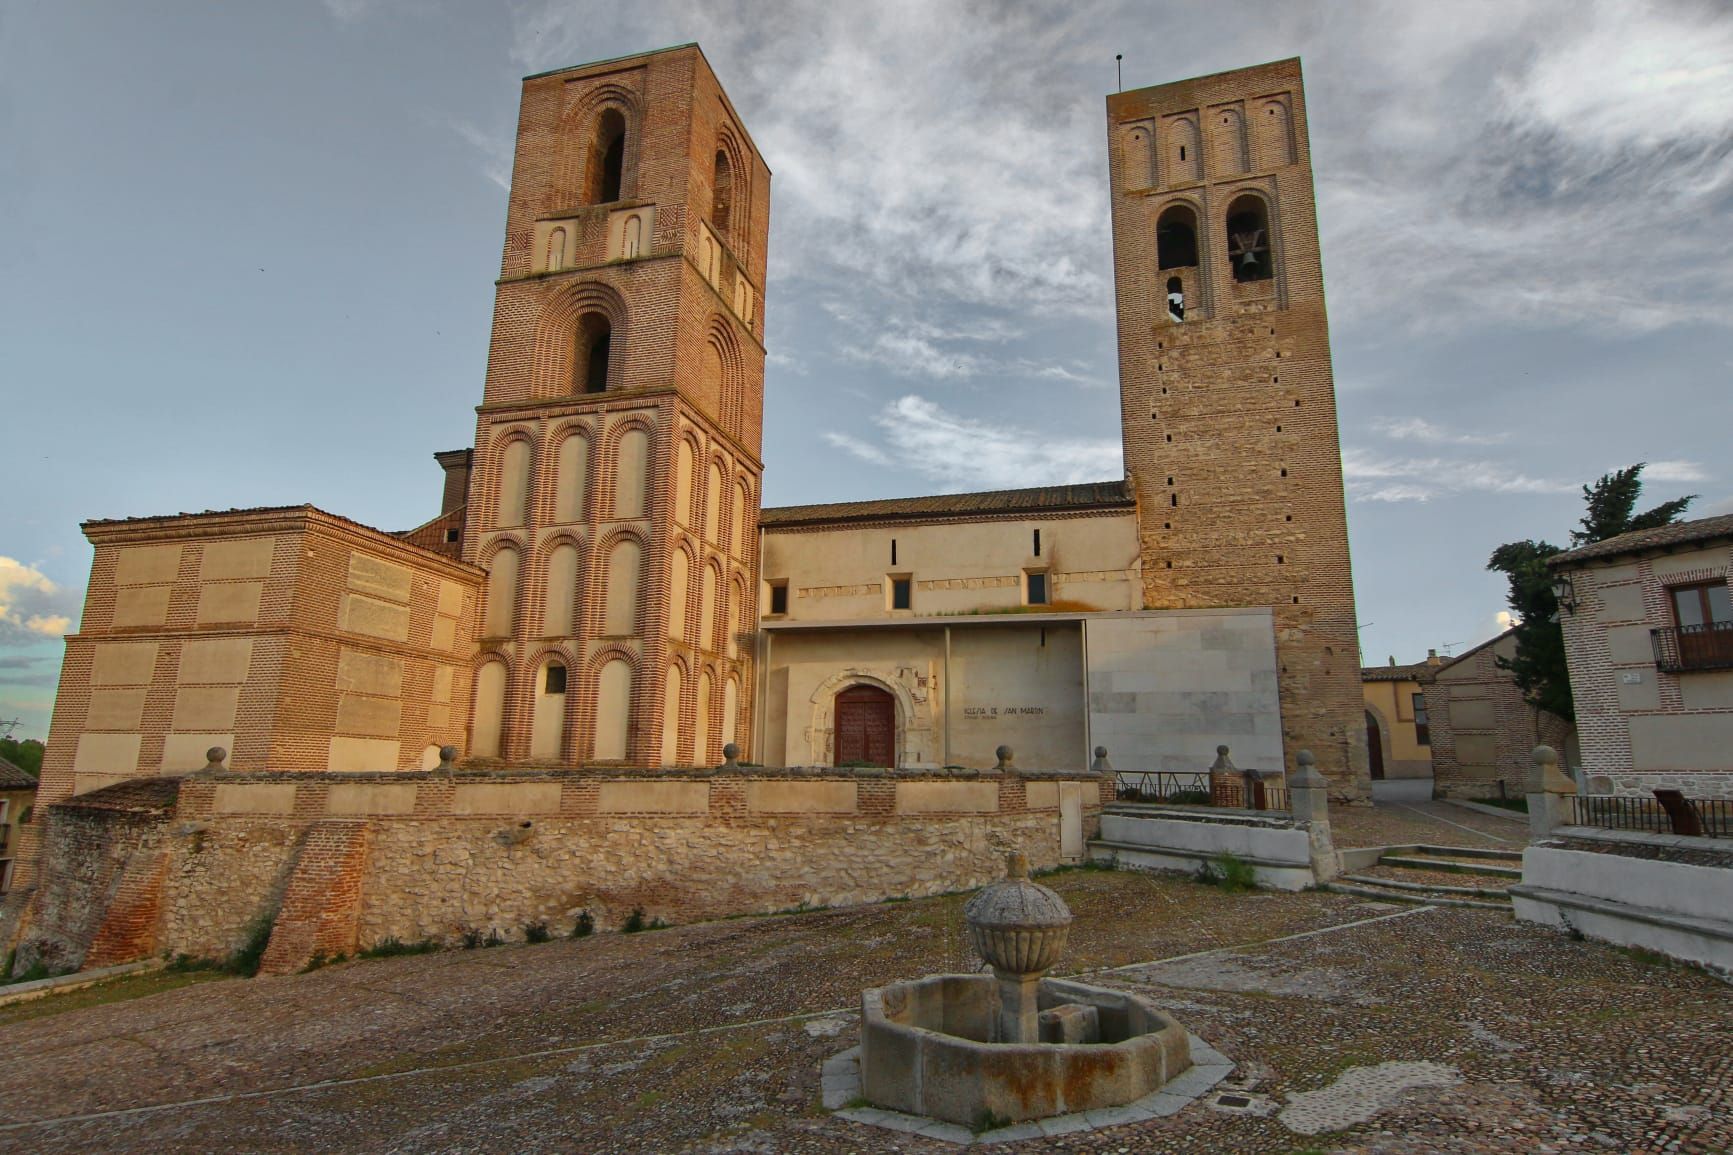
<point x="39" y="988"/>
<point x="1492" y="811"/>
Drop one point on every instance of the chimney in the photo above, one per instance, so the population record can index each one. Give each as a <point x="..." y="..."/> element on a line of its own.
<point x="1432" y="658"/>
<point x="456" y="463"/>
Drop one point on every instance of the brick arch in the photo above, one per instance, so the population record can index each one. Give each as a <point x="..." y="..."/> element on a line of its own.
<point x="1272" y="223"/>
<point x="683" y="543"/>
<point x="694" y="440"/>
<point x="499" y="541"/>
<point x="539" y="573"/>
<point x="739" y="621"/>
<point x="708" y="561"/>
<point x="606" y="464"/>
<point x="595" y="569"/>
<point x="583" y="733"/>
<point x="821" y="735"/>
<point x="731" y="388"/>
<point x="556" y="336"/>
<point x="555" y="444"/>
<point x="496" y="451"/>
<point x="477" y="664"/>
<point x="578" y="128"/>
<point x="740" y="194"/>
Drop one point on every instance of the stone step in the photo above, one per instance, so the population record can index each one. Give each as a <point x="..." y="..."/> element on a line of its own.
<point x="1488" y="892"/>
<point x="1384" y="893"/>
<point x="1418" y="862"/>
<point x="1491" y="854"/>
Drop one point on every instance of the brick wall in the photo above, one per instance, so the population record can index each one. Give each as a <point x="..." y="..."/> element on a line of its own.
<point x="1483" y="730"/>
<point x="686" y="363"/>
<point x="344" y="860"/>
<point x="1229" y="415"/>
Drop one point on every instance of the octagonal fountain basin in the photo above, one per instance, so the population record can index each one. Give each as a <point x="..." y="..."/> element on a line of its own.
<point x="929" y="1047"/>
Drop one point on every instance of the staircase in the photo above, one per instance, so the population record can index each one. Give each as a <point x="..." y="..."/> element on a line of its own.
<point x="1434" y="875"/>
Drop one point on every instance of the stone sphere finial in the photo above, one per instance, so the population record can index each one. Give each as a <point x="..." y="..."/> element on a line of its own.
<point x="1223" y="764"/>
<point x="447" y="758"/>
<point x="731" y="756"/>
<point x="1306" y="775"/>
<point x="1101" y="765"/>
<point x="1101" y="751"/>
<point x="1019" y="927"/>
<point x="1004" y="754"/>
<point x="215" y="757"/>
<point x="1544" y="775"/>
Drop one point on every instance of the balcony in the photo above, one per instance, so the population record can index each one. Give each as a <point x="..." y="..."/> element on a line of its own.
<point x="1681" y="649"/>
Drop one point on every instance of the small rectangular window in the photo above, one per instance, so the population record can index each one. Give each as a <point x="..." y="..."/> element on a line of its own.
<point x="902" y="591"/>
<point x="556" y="679"/>
<point x="453" y="534"/>
<point x="1422" y="732"/>
<point x="893" y="551"/>
<point x="1037" y="543"/>
<point x="779" y="598"/>
<point x="1037" y="586"/>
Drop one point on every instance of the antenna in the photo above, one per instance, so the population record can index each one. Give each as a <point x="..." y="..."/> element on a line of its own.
<point x="7" y="726"/>
<point x="1119" y="69"/>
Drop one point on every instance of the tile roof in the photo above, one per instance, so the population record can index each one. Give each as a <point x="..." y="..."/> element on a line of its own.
<point x="947" y="506"/>
<point x="14" y="777"/>
<point x="1661" y="537"/>
<point x="1412" y="672"/>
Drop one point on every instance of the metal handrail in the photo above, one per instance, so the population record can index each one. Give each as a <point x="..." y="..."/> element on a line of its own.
<point x="1680" y="649"/>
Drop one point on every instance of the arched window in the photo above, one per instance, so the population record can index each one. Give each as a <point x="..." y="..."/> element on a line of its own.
<point x="514" y="483"/>
<point x="1176" y="238"/>
<point x="620" y="609"/>
<point x="679" y="585"/>
<point x="1250" y="253"/>
<point x="613" y="711"/>
<point x="722" y="193"/>
<point x="607" y="158"/>
<point x="489" y="710"/>
<point x="590" y="354"/>
<point x="631" y="473"/>
<point x="502" y="579"/>
<point x="671" y="718"/>
<point x="556" y="250"/>
<point x="572" y="478"/>
<point x="562" y="591"/>
<point x="548" y="724"/>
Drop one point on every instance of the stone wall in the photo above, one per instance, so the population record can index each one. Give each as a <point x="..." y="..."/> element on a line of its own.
<point x="341" y="861"/>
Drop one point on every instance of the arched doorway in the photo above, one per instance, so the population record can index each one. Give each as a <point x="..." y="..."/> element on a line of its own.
<point x="866" y="726"/>
<point x="1375" y="746"/>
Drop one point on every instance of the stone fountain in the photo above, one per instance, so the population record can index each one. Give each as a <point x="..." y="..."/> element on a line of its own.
<point x="986" y="1050"/>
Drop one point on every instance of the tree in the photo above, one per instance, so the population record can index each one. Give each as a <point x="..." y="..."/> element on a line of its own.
<point x="26" y="755"/>
<point x="1539" y="666"/>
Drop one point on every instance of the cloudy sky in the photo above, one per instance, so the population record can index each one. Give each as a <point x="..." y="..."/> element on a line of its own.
<point x="246" y="255"/>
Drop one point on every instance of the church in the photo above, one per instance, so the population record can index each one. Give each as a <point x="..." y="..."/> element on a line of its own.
<point x="603" y="590"/>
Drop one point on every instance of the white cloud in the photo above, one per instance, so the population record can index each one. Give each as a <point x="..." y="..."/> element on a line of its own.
<point x="1420" y="429"/>
<point x="31" y="605"/>
<point x="960" y="453"/>
<point x="496" y="152"/>
<point x="1393" y="479"/>
<point x="1674" y="471"/>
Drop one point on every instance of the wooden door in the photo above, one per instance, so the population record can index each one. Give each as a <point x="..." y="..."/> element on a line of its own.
<point x="1375" y="745"/>
<point x="866" y="726"/>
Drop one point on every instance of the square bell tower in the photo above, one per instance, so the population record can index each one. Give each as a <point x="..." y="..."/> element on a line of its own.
<point x="1227" y="404"/>
<point x="615" y="494"/>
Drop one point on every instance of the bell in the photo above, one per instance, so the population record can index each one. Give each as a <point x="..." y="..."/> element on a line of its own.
<point x="1248" y="260"/>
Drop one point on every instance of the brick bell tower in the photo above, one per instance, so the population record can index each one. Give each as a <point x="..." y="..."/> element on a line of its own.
<point x="1227" y="403"/>
<point x="615" y="493"/>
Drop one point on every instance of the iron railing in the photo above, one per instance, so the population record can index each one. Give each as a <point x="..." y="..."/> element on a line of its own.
<point x="1712" y="817"/>
<point x="1242" y="790"/>
<point x="1679" y="649"/>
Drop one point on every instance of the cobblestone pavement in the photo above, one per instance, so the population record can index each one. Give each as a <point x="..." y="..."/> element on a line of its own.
<point x="1412" y="823"/>
<point x="1391" y="1029"/>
